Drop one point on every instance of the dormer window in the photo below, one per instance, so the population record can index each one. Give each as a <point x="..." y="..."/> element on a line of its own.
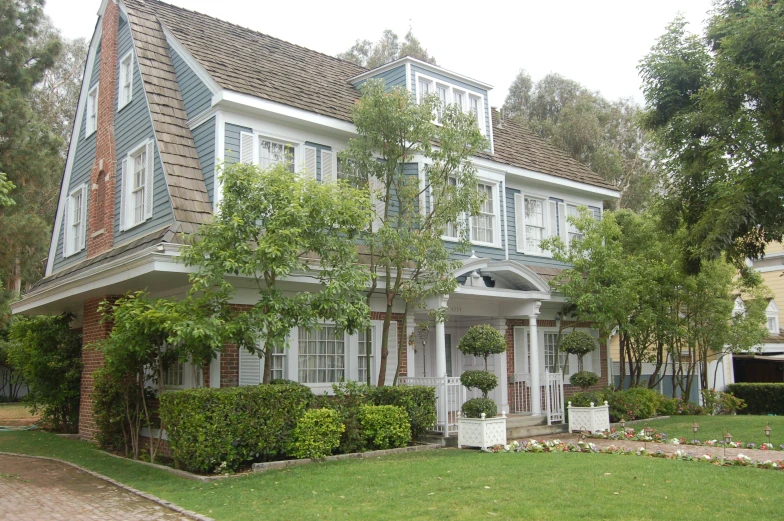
<point x="473" y="107"/>
<point x="459" y="98"/>
<point x="424" y="89"/>
<point x="126" y="80"/>
<point x="468" y="101"/>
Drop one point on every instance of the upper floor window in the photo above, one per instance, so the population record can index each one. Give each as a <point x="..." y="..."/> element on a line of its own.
<point x="267" y="152"/>
<point x="468" y="101"/>
<point x="772" y="314"/>
<point x="452" y="231"/>
<point x="473" y="107"/>
<point x="483" y="226"/>
<point x="137" y="186"/>
<point x="126" y="80"/>
<point x="75" y="221"/>
<point x="534" y="224"/>
<point x="319" y="164"/>
<point x="573" y="233"/>
<point x="443" y="96"/>
<point x="92" y="110"/>
<point x="424" y="88"/>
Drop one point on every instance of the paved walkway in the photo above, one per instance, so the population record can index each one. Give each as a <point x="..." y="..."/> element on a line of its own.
<point x="668" y="448"/>
<point x="33" y="489"/>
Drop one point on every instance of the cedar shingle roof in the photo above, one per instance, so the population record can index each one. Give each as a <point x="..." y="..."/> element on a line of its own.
<point x="181" y="166"/>
<point x="253" y="63"/>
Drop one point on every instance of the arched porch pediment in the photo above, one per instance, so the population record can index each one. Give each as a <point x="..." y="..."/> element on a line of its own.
<point x="505" y="274"/>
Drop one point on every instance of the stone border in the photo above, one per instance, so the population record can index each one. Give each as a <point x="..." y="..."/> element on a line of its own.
<point x="635" y="422"/>
<point x="276" y="465"/>
<point x="177" y="472"/>
<point x="166" y="504"/>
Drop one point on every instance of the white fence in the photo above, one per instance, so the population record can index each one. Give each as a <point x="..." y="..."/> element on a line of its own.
<point x="551" y="395"/>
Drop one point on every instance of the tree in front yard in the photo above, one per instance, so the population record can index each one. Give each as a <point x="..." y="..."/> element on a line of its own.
<point x="273" y="225"/>
<point x="403" y="246"/>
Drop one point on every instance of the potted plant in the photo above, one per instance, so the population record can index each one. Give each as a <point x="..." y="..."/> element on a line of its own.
<point x="479" y="424"/>
<point x="593" y="418"/>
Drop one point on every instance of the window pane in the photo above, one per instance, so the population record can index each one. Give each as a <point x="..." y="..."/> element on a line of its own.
<point x="321" y="352"/>
<point x="483" y="225"/>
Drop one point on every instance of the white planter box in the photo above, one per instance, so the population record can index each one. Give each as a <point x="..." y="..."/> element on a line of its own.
<point x="481" y="432"/>
<point x="591" y="418"/>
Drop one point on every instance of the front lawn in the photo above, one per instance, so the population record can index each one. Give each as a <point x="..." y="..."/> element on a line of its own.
<point x="454" y="484"/>
<point x="16" y="413"/>
<point x="746" y="429"/>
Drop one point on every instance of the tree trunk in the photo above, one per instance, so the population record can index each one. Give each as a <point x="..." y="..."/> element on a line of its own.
<point x="267" y="364"/>
<point x="17" y="276"/>
<point x="622" y="361"/>
<point x="382" y="370"/>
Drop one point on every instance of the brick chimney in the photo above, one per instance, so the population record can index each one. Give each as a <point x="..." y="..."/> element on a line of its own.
<point x="100" y="214"/>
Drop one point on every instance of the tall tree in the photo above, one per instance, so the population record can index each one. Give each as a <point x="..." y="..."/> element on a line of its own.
<point x="602" y="134"/>
<point x="716" y="104"/>
<point x="407" y="257"/>
<point x="387" y="49"/>
<point x="29" y="150"/>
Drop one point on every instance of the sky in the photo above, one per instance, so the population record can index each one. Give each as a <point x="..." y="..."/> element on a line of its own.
<point x="598" y="43"/>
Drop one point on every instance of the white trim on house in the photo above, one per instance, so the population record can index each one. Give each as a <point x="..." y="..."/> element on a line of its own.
<point x="68" y="248"/>
<point x="122" y="101"/>
<point x="90" y="124"/>
<point x="468" y="95"/>
<point x="408" y="60"/>
<point x="496" y="200"/>
<point x="128" y="218"/>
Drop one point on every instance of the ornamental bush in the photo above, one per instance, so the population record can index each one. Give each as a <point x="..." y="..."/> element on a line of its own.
<point x="636" y="403"/>
<point x="418" y="401"/>
<point x="482" y="340"/>
<point x="485" y="381"/>
<point x="717" y="402"/>
<point x="585" y="399"/>
<point x="385" y="426"/>
<point x="760" y="398"/>
<point x="236" y="425"/>
<point x="346" y="401"/>
<point x="584" y="379"/>
<point x="474" y="408"/>
<point x="317" y="434"/>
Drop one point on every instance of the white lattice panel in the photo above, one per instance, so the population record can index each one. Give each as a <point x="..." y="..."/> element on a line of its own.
<point x="475" y="432"/>
<point x="592" y="419"/>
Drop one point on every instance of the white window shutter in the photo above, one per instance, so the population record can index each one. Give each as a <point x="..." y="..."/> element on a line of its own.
<point x="552" y="218"/>
<point x="310" y="163"/>
<point x="564" y="225"/>
<point x="327" y="166"/>
<point x="250" y="367"/>
<point x="246" y="148"/>
<point x="393" y="347"/>
<point x="519" y="202"/>
<point x="84" y="218"/>
<point x="149" y="176"/>
<point x="124" y="172"/>
<point x="67" y="226"/>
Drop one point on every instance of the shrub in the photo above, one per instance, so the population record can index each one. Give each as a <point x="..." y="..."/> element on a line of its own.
<point x="235" y="425"/>
<point x="667" y="406"/>
<point x="317" y="434"/>
<point x="482" y="340"/>
<point x="584" y="379"/>
<point x="418" y="401"/>
<point x="717" y="402"/>
<point x="474" y="408"/>
<point x="760" y="398"/>
<point x="578" y="343"/>
<point x="346" y="402"/>
<point x="585" y="399"/>
<point x="385" y="426"/>
<point x="636" y="403"/>
<point x="485" y="381"/>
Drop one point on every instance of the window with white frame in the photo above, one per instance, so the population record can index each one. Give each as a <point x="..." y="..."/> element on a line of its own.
<point x="423" y="89"/>
<point x="174" y="375"/>
<point x="365" y="342"/>
<point x="473" y="107"/>
<point x="552" y="355"/>
<point x="772" y="314"/>
<point x="137" y="186"/>
<point x="273" y="152"/>
<point x="534" y="224"/>
<point x="483" y="225"/>
<point x="458" y="97"/>
<point x="278" y="368"/>
<point x="471" y="102"/>
<point x="572" y="231"/>
<point x="92" y="110"/>
<point x="75" y="221"/>
<point x="443" y="97"/>
<point x="452" y="231"/>
<point x="322" y="355"/>
<point x="126" y="80"/>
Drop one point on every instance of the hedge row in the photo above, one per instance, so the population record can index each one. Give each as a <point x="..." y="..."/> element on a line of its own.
<point x="760" y="398"/>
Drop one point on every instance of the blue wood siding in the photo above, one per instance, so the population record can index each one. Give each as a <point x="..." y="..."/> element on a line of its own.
<point x="80" y="172"/>
<point x="204" y="137"/>
<point x="195" y="94"/>
<point x="511" y="225"/>
<point x="392" y="78"/>
<point x="231" y="154"/>
<point x="132" y="126"/>
<point x="457" y="83"/>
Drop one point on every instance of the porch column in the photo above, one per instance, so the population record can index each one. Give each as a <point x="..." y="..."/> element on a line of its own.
<point x="533" y="349"/>
<point x="501" y="370"/>
<point x="434" y="304"/>
<point x="410" y="334"/>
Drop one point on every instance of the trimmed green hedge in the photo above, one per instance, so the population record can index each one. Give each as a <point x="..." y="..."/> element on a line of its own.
<point x="317" y="434"/>
<point x="385" y="426"/>
<point x="760" y="398"/>
<point x="418" y="401"/>
<point x="235" y="425"/>
<point x="474" y="408"/>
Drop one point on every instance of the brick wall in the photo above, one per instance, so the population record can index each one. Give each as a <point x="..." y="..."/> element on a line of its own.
<point x="100" y="213"/>
<point x="92" y="331"/>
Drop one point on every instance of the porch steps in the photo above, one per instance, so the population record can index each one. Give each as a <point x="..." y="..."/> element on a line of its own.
<point x="526" y="426"/>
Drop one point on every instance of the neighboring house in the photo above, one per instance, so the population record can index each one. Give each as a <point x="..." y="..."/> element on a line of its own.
<point x="169" y="93"/>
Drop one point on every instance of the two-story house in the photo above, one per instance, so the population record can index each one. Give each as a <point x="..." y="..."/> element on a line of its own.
<point x="169" y="93"/>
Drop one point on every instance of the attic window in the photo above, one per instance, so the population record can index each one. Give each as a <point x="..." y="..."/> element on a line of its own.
<point x="468" y="101"/>
<point x="772" y="314"/>
<point x="92" y="110"/>
<point x="137" y="186"/>
<point x="75" y="221"/>
<point x="126" y="80"/>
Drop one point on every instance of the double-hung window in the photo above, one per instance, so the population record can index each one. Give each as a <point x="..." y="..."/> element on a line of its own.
<point x="483" y="225"/>
<point x="473" y="107"/>
<point x="126" y="80"/>
<point x="278" y="363"/>
<point x="92" y="110"/>
<point x="534" y="224"/>
<point x="174" y="376"/>
<point x="423" y="89"/>
<point x="273" y="152"/>
<point x="365" y="342"/>
<point x="574" y="234"/>
<point x="322" y="355"/>
<point x="137" y="186"/>
<point x="75" y="221"/>
<point x="458" y="97"/>
<point x="554" y="361"/>
<point x="443" y="97"/>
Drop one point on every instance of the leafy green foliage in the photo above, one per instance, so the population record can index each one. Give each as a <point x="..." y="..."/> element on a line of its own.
<point x="272" y="224"/>
<point x="760" y="398"/>
<point x="418" y="401"/>
<point x="716" y="105"/>
<point x="387" y="49"/>
<point x="49" y="355"/>
<point x="482" y="340"/>
<point x="385" y="426"/>
<point x="584" y="379"/>
<point x="636" y="403"/>
<point x="317" y="434"/>
<point x="403" y="248"/>
<point x="485" y="381"/>
<point x="5" y="188"/>
<point x="717" y="402"/>
<point x="578" y="343"/>
<point x="474" y="408"/>
<point x="233" y="426"/>
<point x="346" y="401"/>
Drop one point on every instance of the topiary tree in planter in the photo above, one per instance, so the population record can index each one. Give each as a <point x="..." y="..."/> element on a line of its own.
<point x="578" y="343"/>
<point x="483" y="341"/>
<point x="584" y="379"/>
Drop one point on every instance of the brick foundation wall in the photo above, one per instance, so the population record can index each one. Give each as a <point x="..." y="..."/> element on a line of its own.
<point x="100" y="213"/>
<point x="92" y="331"/>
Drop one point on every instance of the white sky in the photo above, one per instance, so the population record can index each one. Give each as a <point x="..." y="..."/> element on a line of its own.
<point x="598" y="43"/>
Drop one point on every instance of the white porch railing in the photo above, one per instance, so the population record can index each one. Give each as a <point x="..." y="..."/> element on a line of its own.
<point x="450" y="397"/>
<point x="551" y="395"/>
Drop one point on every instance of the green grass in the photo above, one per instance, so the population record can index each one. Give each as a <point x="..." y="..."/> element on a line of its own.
<point x="743" y="428"/>
<point x="450" y="484"/>
<point x="14" y="411"/>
